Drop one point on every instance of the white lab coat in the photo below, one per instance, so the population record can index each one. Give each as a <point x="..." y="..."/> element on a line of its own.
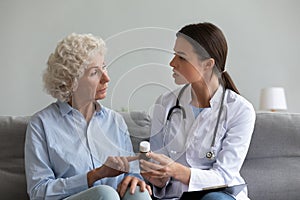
<point x="187" y="141"/>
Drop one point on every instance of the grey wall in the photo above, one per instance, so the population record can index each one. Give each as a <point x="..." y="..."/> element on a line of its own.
<point x="263" y="38"/>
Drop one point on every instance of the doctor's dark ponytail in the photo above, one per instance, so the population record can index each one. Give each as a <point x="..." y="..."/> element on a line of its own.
<point x="209" y="42"/>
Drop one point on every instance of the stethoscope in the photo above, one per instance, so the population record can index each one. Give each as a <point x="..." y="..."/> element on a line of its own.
<point x="210" y="154"/>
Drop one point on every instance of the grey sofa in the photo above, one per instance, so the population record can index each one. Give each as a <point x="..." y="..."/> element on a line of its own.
<point x="271" y="169"/>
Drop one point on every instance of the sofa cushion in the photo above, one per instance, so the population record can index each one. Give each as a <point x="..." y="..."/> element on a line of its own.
<point x="282" y="129"/>
<point x="272" y="178"/>
<point x="12" y="173"/>
<point x="12" y="134"/>
<point x="271" y="167"/>
<point x="272" y="164"/>
<point x="138" y="126"/>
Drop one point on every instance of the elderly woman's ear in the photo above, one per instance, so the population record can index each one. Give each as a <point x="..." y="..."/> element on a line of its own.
<point x="75" y="85"/>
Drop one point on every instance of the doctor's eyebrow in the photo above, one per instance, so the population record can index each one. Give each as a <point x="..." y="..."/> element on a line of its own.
<point x="179" y="53"/>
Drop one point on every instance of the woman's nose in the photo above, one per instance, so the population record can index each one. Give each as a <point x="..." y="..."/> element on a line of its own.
<point x="104" y="77"/>
<point x="172" y="62"/>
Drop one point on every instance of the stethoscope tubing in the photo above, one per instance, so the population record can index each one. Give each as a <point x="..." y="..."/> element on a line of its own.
<point x="177" y="105"/>
<point x="210" y="154"/>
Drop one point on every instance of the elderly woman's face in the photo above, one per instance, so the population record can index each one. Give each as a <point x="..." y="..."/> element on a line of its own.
<point x="93" y="84"/>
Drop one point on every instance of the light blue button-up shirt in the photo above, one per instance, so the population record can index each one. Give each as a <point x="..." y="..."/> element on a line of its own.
<point x="61" y="148"/>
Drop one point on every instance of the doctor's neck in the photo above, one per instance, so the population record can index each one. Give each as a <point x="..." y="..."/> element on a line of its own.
<point x="202" y="92"/>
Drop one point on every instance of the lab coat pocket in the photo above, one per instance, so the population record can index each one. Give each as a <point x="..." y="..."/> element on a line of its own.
<point x="196" y="154"/>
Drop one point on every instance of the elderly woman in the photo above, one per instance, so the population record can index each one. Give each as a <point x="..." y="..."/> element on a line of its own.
<point x="76" y="148"/>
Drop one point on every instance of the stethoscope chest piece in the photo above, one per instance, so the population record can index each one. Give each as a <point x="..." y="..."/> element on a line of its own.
<point x="210" y="155"/>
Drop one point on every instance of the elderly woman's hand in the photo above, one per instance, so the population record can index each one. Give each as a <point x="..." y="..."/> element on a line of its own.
<point x="132" y="182"/>
<point x="160" y="171"/>
<point x="113" y="166"/>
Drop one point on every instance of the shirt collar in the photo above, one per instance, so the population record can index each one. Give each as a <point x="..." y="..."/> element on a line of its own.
<point x="217" y="97"/>
<point x="65" y="108"/>
<point x="100" y="109"/>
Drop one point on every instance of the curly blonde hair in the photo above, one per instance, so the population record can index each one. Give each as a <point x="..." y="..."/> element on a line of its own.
<point x="67" y="64"/>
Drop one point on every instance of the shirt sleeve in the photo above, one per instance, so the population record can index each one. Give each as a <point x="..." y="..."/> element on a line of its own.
<point x="157" y="127"/>
<point x="157" y="138"/>
<point x="233" y="150"/>
<point x="41" y="180"/>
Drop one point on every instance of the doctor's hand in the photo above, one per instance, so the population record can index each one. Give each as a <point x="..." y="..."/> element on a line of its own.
<point x="160" y="171"/>
<point x="113" y="166"/>
<point x="131" y="182"/>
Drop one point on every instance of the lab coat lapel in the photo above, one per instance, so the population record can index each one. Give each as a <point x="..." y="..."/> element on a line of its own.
<point x="200" y="138"/>
<point x="191" y="123"/>
<point x="185" y="102"/>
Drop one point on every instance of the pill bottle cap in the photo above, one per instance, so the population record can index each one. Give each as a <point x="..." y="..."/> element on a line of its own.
<point x="144" y="146"/>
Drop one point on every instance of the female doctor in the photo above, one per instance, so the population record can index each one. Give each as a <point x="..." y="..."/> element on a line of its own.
<point x="201" y="132"/>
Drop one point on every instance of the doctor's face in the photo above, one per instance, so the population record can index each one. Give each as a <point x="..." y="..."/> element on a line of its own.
<point x="94" y="82"/>
<point x="187" y="68"/>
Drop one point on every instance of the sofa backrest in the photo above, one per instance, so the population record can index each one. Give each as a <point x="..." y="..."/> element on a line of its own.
<point x="271" y="167"/>
<point x="12" y="134"/>
<point x="282" y="129"/>
<point x="12" y="173"/>
<point x="138" y="124"/>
